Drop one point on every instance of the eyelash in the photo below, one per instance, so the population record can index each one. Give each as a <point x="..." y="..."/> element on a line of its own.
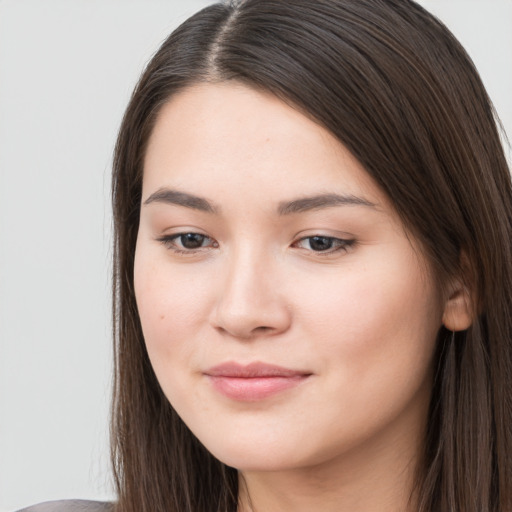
<point x="340" y="244"/>
<point x="169" y="241"/>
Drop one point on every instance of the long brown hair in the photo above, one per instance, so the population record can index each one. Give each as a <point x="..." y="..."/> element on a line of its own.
<point x="397" y="89"/>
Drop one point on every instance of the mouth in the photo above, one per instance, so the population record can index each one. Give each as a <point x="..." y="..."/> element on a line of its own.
<point x="255" y="381"/>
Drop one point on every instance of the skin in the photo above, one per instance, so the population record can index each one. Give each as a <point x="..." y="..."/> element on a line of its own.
<point x="360" y="318"/>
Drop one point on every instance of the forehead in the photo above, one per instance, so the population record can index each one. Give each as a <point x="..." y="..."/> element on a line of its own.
<point x="230" y="134"/>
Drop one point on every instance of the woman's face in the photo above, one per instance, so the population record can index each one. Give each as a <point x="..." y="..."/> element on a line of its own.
<point x="289" y="318"/>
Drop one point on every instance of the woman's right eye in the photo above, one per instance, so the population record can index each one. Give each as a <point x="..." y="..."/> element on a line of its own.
<point x="187" y="242"/>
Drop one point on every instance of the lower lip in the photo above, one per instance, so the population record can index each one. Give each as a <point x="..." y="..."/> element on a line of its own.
<point x="254" y="388"/>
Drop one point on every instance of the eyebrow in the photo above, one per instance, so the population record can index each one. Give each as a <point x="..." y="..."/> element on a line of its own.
<point x="303" y="204"/>
<point x="168" y="196"/>
<point x="321" y="201"/>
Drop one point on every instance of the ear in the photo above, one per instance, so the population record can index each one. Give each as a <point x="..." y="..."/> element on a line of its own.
<point x="458" y="308"/>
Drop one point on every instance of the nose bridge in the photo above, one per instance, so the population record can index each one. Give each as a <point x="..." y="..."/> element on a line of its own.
<point x="247" y="275"/>
<point x="251" y="300"/>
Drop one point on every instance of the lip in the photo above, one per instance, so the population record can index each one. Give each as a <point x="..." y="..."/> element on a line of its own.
<point x="254" y="381"/>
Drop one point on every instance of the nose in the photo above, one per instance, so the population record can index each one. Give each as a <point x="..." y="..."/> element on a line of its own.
<point x="251" y="300"/>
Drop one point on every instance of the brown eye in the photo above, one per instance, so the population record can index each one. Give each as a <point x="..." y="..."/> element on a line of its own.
<point x="187" y="242"/>
<point x="191" y="240"/>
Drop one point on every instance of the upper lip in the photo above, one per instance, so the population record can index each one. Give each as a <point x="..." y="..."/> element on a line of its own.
<point x="252" y="370"/>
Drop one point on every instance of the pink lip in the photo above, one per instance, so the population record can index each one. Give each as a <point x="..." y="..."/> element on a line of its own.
<point x="254" y="381"/>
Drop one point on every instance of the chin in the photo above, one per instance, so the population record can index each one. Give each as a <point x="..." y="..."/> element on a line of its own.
<point x="255" y="462"/>
<point x="262" y="455"/>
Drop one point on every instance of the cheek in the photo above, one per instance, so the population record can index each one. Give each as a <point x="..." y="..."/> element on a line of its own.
<point x="375" y="322"/>
<point x="171" y="307"/>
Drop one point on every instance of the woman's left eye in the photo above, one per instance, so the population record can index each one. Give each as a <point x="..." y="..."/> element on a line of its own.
<point x="187" y="242"/>
<point x="324" y="244"/>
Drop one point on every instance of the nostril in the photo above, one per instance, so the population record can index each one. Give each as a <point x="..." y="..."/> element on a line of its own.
<point x="246" y="334"/>
<point x="262" y="329"/>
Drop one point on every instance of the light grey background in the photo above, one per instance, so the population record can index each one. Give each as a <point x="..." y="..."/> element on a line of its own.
<point x="67" y="68"/>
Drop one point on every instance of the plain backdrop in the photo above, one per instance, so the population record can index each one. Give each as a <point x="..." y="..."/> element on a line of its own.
<point x="67" y="68"/>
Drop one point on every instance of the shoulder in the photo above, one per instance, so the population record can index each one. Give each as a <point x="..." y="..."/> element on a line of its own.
<point x="71" y="506"/>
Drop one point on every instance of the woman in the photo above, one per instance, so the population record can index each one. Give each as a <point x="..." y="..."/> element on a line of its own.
<point x="313" y="273"/>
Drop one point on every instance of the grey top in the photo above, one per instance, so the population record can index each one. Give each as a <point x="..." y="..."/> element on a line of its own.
<point x="71" y="506"/>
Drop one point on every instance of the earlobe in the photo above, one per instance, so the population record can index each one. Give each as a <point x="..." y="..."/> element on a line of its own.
<point x="458" y="308"/>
